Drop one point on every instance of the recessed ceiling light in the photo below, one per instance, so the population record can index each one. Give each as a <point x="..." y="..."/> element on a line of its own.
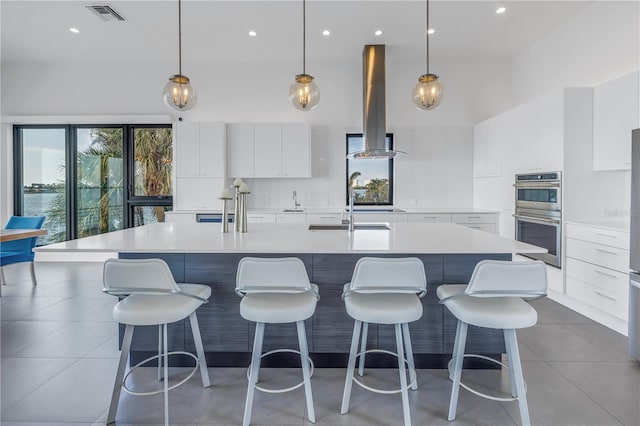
<point x="74" y="30"/>
<point x="431" y="31"/>
<point x="501" y="10"/>
<point x="378" y="32"/>
<point x="326" y="33"/>
<point x="253" y="33"/>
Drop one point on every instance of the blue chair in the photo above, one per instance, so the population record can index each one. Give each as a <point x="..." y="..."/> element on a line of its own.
<point x="17" y="251"/>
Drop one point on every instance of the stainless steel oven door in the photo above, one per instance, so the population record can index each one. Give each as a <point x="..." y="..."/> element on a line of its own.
<point x="539" y="195"/>
<point x="545" y="232"/>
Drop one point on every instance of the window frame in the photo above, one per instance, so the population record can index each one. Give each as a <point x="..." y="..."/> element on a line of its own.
<point x="391" y="180"/>
<point x="71" y="159"/>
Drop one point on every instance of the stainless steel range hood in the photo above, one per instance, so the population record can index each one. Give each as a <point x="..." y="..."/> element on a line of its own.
<point x="374" y="100"/>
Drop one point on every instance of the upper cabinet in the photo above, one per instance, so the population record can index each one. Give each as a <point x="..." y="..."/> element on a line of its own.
<point x="269" y="150"/>
<point x="550" y="132"/>
<point x="200" y="149"/>
<point x="615" y="114"/>
<point x="487" y="155"/>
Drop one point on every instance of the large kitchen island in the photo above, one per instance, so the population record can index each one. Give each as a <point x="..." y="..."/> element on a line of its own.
<point x="201" y="253"/>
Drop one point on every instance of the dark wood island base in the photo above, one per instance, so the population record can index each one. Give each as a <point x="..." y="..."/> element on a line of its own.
<point x="228" y="338"/>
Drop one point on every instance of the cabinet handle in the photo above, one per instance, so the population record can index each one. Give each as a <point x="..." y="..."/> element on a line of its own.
<point x="607" y="251"/>
<point x="606" y="235"/>
<point x="328" y="217"/>
<point x="604" y="273"/>
<point x="473" y="217"/>
<point x="474" y="227"/>
<point x="429" y="217"/>
<point x="613" y="299"/>
<point x="256" y="217"/>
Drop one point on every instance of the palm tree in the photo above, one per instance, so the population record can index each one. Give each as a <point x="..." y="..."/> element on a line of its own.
<point x="100" y="169"/>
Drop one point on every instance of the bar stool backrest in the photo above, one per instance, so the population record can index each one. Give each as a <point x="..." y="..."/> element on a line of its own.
<point x="389" y="275"/>
<point x="500" y="278"/>
<point x="271" y="275"/>
<point x="139" y="276"/>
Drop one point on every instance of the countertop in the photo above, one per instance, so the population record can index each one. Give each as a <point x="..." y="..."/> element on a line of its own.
<point x="423" y="238"/>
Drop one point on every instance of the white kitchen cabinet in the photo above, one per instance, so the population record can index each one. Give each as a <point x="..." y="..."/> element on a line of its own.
<point x="291" y="218"/>
<point x="296" y="150"/>
<point x="261" y="218"/>
<point x="269" y="150"/>
<point x="486" y="222"/>
<point x="429" y="217"/>
<point x="487" y="155"/>
<point x="200" y="149"/>
<point x="178" y="217"/>
<point x="241" y="150"/>
<point x="615" y="114"/>
<point x="330" y="218"/>
<point x="597" y="262"/>
<point x="197" y="193"/>
<point x="550" y="132"/>
<point x="391" y="217"/>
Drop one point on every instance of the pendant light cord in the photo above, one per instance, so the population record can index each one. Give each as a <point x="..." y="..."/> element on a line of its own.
<point x="304" y="36"/>
<point x="180" y="37"/>
<point x="427" y="36"/>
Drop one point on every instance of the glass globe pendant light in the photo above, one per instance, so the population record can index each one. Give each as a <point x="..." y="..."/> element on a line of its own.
<point x="179" y="94"/>
<point x="304" y="93"/>
<point x="429" y="91"/>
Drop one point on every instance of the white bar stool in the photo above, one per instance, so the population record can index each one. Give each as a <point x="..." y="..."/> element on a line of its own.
<point x="494" y="299"/>
<point x="276" y="291"/>
<point x="384" y="291"/>
<point x="151" y="296"/>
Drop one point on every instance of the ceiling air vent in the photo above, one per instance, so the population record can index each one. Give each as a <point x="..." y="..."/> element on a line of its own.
<point x="105" y="12"/>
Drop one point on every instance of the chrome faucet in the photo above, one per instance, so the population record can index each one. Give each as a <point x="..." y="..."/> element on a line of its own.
<point x="349" y="220"/>
<point x="296" y="203"/>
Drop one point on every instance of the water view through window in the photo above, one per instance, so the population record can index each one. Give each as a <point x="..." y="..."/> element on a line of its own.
<point x="372" y="178"/>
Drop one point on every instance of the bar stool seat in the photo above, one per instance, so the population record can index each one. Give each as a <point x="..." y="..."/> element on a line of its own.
<point x="498" y="313"/>
<point x="147" y="309"/>
<point x="279" y="308"/>
<point x="390" y="309"/>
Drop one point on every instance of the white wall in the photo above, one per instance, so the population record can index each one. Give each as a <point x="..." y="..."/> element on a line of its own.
<point x="597" y="45"/>
<point x="436" y="172"/>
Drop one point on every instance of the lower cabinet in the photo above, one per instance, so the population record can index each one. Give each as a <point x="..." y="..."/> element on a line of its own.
<point x="596" y="269"/>
<point x="261" y="218"/>
<point x="487" y="222"/>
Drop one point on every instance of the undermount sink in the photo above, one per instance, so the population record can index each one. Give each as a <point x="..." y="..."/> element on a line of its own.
<point x="345" y="227"/>
<point x="292" y="210"/>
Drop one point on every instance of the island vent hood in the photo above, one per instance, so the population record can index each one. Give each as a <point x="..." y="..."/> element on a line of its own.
<point x="374" y="108"/>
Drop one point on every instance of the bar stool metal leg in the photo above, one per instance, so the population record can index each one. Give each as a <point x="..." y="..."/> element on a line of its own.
<point x="304" y="361"/>
<point x="166" y="374"/>
<point x="122" y="365"/>
<point x="363" y="348"/>
<point x="458" y="359"/>
<point x="403" y="375"/>
<point x="512" y="378"/>
<point x="357" y="325"/>
<point x="253" y="375"/>
<point x="202" y="360"/>
<point x="514" y="355"/>
<point x="409" y="353"/>
<point x="33" y="273"/>
<point x="160" y="375"/>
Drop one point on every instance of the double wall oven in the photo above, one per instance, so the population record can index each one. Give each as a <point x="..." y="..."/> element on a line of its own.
<point x="538" y="213"/>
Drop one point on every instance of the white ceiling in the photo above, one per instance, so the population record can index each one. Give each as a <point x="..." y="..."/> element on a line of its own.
<point x="216" y="31"/>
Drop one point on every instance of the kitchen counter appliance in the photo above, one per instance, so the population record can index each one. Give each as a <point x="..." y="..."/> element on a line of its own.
<point x="634" y="254"/>
<point x="538" y="213"/>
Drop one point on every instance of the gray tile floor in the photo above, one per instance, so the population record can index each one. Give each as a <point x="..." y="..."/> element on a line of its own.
<point x="59" y="355"/>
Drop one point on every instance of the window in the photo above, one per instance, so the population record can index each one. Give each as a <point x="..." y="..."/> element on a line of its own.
<point x="373" y="178"/>
<point x="89" y="180"/>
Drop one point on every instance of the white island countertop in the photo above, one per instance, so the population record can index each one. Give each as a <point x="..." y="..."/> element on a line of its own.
<point x="418" y="238"/>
